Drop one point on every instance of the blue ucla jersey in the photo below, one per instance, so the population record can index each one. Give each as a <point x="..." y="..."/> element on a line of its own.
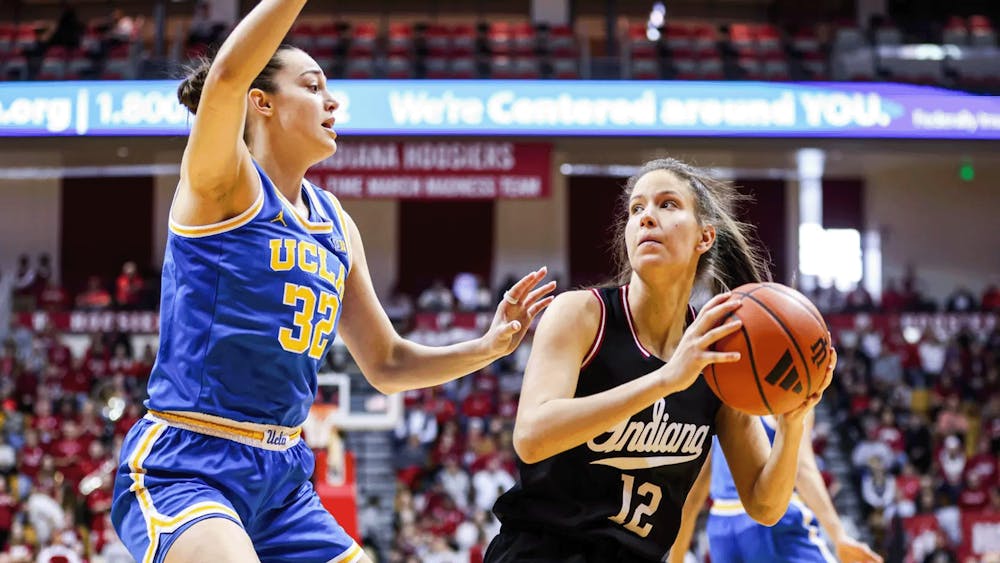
<point x="248" y="308"/>
<point x="722" y="486"/>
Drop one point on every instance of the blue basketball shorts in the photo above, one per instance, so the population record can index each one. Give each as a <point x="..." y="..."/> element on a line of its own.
<point x="176" y="471"/>
<point x="734" y="537"/>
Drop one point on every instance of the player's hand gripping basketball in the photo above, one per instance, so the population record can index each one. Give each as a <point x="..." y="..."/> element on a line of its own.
<point x="694" y="352"/>
<point x="520" y="305"/>
<point x="797" y="415"/>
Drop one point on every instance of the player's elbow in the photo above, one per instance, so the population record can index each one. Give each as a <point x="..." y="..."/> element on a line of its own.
<point x="767" y="514"/>
<point x="384" y="383"/>
<point x="527" y="445"/>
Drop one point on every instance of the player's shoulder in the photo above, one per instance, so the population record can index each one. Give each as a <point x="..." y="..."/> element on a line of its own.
<point x="580" y="310"/>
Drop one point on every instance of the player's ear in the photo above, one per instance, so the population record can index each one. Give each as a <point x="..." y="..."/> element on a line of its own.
<point x="260" y="102"/>
<point x="707" y="239"/>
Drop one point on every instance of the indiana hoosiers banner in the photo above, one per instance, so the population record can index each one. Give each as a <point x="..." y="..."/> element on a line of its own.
<point x="436" y="170"/>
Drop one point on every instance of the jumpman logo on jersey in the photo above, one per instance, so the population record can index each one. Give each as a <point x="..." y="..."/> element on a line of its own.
<point x="280" y="218"/>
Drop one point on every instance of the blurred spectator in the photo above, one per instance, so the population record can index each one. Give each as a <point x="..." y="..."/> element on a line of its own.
<point x="490" y="482"/>
<point x="68" y="30"/>
<point x="878" y="488"/>
<point x="465" y="288"/>
<point x="872" y="448"/>
<point x="44" y="513"/>
<point x="441" y="552"/>
<point x="941" y="553"/>
<point x="859" y="301"/>
<point x="6" y="302"/>
<point x="991" y="298"/>
<point x="951" y="465"/>
<point x="53" y="298"/>
<point x="960" y="301"/>
<point x="951" y="421"/>
<point x="8" y="510"/>
<point x="95" y="297"/>
<point x="455" y="481"/>
<point x="419" y="423"/>
<point x="8" y="458"/>
<point x="399" y="307"/>
<point x="892" y="298"/>
<point x="975" y="495"/>
<point x="129" y="287"/>
<point x="204" y="29"/>
<point x="410" y="460"/>
<point x="24" y="278"/>
<point x="124" y="28"/>
<point x="436" y="298"/>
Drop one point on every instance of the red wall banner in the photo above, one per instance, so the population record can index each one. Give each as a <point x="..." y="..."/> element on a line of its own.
<point x="436" y="170"/>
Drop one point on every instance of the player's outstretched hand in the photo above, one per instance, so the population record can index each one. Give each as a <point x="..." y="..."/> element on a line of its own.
<point x="798" y="415"/>
<point x="850" y="550"/>
<point x="520" y="305"/>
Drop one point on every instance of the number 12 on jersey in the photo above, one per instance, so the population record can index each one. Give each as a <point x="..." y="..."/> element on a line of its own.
<point x="650" y="493"/>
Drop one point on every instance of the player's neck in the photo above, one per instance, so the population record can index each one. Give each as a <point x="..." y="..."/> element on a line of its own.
<point x="659" y="313"/>
<point x="285" y="175"/>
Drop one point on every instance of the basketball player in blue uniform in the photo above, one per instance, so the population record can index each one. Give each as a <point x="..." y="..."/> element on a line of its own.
<point x="733" y="537"/>
<point x="615" y="421"/>
<point x="261" y="271"/>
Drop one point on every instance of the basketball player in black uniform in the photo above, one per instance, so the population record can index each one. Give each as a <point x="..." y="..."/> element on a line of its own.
<point x="614" y="421"/>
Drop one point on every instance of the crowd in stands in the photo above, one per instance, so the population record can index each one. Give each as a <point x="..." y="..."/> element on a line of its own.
<point x="120" y="46"/>
<point x="919" y="418"/>
<point x="34" y="288"/>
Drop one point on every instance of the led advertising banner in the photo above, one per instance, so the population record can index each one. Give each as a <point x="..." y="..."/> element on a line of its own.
<point x="539" y="107"/>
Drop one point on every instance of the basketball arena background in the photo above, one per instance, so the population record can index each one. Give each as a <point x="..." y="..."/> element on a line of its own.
<point x="478" y="141"/>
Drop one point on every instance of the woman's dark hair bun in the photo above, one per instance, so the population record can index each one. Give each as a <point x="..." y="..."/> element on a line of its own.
<point x="189" y="91"/>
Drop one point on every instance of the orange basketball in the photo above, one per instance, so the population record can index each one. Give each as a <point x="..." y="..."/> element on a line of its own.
<point x="784" y="351"/>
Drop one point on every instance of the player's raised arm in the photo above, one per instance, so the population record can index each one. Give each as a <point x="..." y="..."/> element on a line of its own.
<point x="217" y="176"/>
<point x="393" y="364"/>
<point x="811" y="487"/>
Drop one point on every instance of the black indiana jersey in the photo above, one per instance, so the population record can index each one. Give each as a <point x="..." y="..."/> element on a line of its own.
<point x="627" y="485"/>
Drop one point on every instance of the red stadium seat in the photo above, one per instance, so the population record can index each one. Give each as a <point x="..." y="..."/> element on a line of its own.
<point x="463" y="39"/>
<point x="705" y="38"/>
<point x="437" y="40"/>
<point x="303" y="36"/>
<point x="463" y="66"/>
<point x="524" y="40"/>
<point x="327" y="37"/>
<point x="363" y="40"/>
<point x="436" y="67"/>
<point x="399" y="66"/>
<point x="527" y="67"/>
<point x="562" y="41"/>
<point x="566" y="68"/>
<point x="359" y="67"/>
<point x="15" y="67"/>
<point x="400" y="39"/>
<point x="639" y="46"/>
<point x="78" y="65"/>
<point x="767" y="39"/>
<point x="806" y="41"/>
<point x="741" y="36"/>
<point x="501" y="67"/>
<point x="678" y="36"/>
<point x="499" y="38"/>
